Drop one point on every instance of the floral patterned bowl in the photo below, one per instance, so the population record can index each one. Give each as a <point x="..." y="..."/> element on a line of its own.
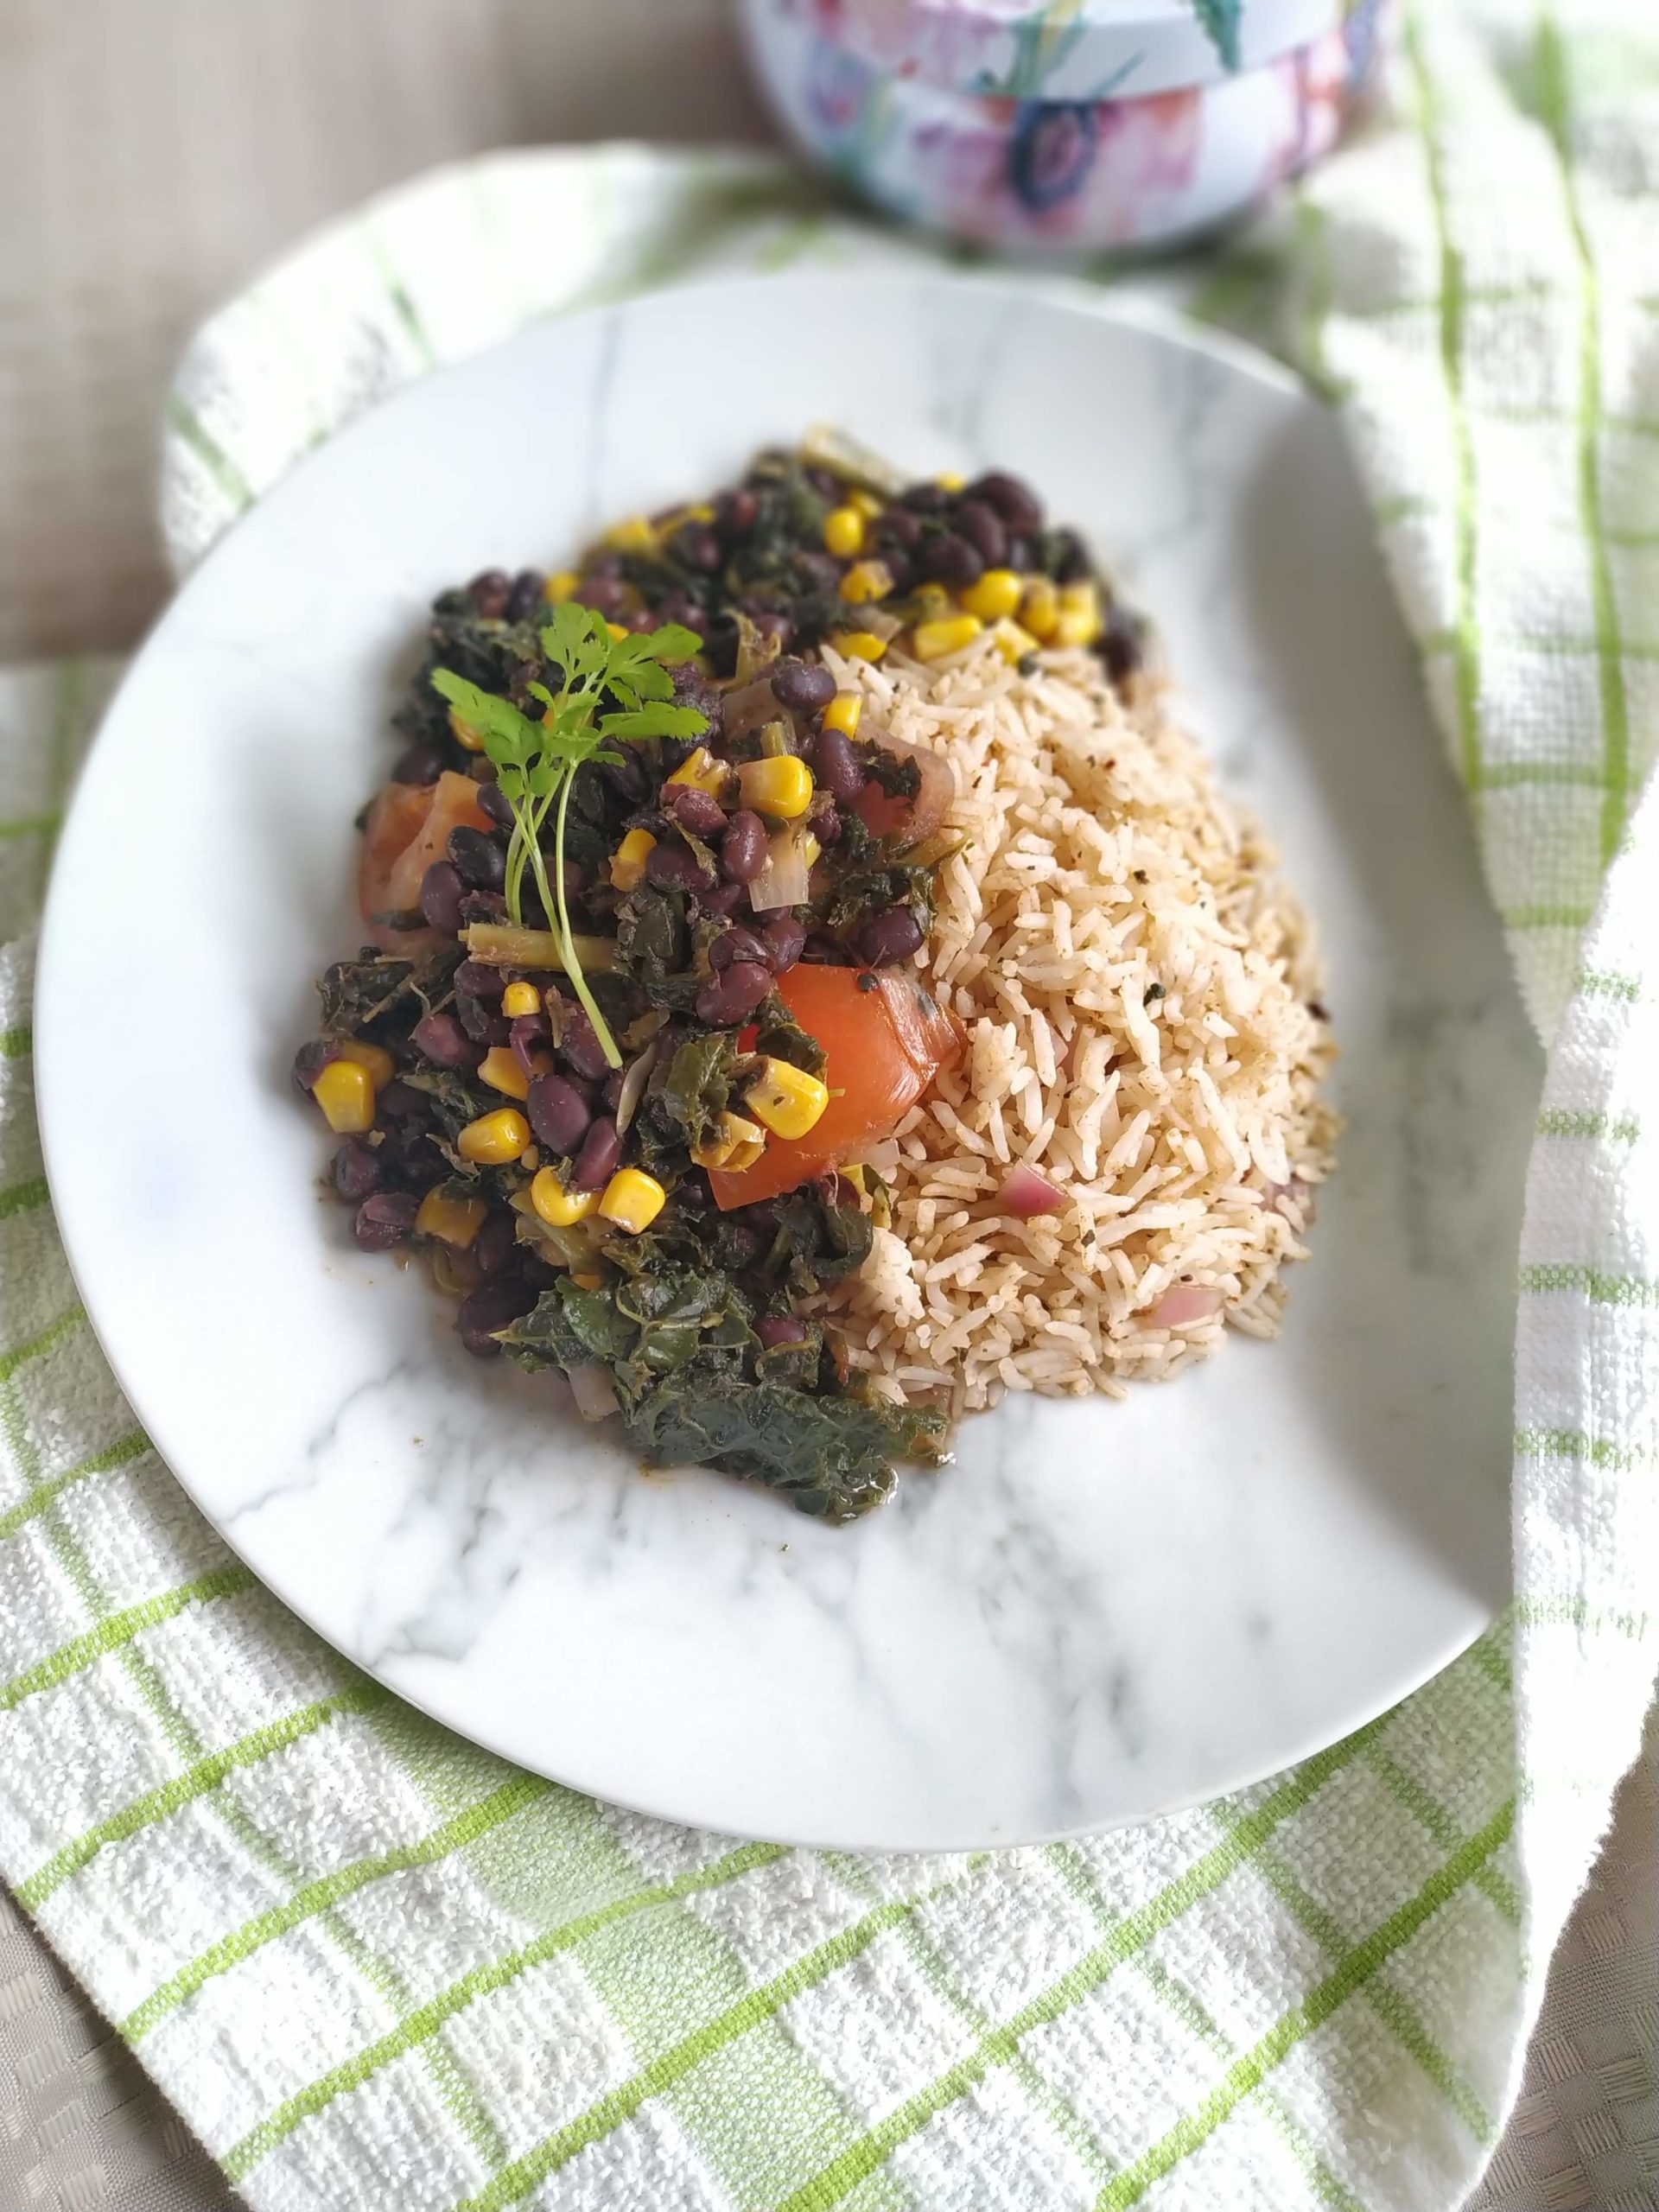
<point x="1002" y="169"/>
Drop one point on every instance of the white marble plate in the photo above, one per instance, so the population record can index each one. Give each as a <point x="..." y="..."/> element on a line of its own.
<point x="1102" y="1610"/>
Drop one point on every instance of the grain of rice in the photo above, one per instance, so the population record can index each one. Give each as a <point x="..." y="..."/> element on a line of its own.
<point x="1185" y="1128"/>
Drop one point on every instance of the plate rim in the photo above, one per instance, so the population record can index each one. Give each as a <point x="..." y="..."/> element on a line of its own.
<point x="1148" y="317"/>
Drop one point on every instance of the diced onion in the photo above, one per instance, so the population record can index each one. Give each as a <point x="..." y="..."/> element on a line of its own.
<point x="1028" y="1193"/>
<point x="783" y="881"/>
<point x="1186" y="1302"/>
<point x="590" y="1386"/>
<point x="633" y="1088"/>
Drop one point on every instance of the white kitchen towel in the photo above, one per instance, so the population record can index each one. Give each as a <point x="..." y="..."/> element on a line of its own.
<point x="375" y="1967"/>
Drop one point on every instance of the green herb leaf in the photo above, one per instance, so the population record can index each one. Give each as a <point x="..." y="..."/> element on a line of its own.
<point x="536" y="762"/>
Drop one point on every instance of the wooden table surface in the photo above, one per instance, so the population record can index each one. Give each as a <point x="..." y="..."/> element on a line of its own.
<point x="154" y="154"/>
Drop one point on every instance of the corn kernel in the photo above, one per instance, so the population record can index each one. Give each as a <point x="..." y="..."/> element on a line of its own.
<point x="561" y="586"/>
<point x="519" y="999"/>
<point x="559" y="1208"/>
<point x="618" y="630"/>
<point x="949" y="480"/>
<point x="788" y="1100"/>
<point x="869" y="504"/>
<point x="931" y="600"/>
<point x="1012" y="642"/>
<point x="998" y="591"/>
<point x="781" y="785"/>
<point x="811" y="850"/>
<point x="843" y="713"/>
<point x="375" y="1059"/>
<point x="464" y="733"/>
<point x="1039" y="610"/>
<point x="932" y="640"/>
<point x="453" y="1221"/>
<point x="859" y="645"/>
<point x="346" y="1097"/>
<point x="628" y="860"/>
<point x="500" y="1068"/>
<point x="632" y="535"/>
<point x="843" y="532"/>
<point x="744" y="1155"/>
<point x="494" y="1140"/>
<point x="730" y="1135"/>
<point x="702" y="772"/>
<point x="866" y="580"/>
<point x="632" y="1199"/>
<point x="1080" y="620"/>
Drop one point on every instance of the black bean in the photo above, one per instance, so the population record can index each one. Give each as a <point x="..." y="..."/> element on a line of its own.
<point x="485" y="1023"/>
<point x="902" y="526"/>
<point x="1016" y="501"/>
<point x="528" y="588"/>
<point x="441" y="892"/>
<point x="600" y="1157"/>
<point x="724" y="899"/>
<point x="1023" y="555"/>
<point x="780" y="1329"/>
<point x="420" y="763"/>
<point x="825" y="482"/>
<point x="479" y="857"/>
<point x="952" y="560"/>
<point x="606" y="595"/>
<point x="1122" y="643"/>
<point x="784" y="937"/>
<point x="610" y="1091"/>
<point x="356" y="1171"/>
<point x="823" y="819"/>
<point x="822" y="945"/>
<point x="676" y="867"/>
<point x="736" y="513"/>
<point x="924" y="499"/>
<point x="733" y="995"/>
<point x="1068" y="557"/>
<point x="557" y="1113"/>
<point x="481" y="979"/>
<point x="491" y="589"/>
<point x="838" y="765"/>
<point x="807" y="685"/>
<point x="309" y="1063"/>
<point x="821" y="570"/>
<point x="496" y="804"/>
<point x="677" y="606"/>
<point x="698" y="547"/>
<point x="440" y="1039"/>
<point x="734" y="944"/>
<point x="892" y="936"/>
<point x="385" y="1220"/>
<point x="490" y="906"/>
<point x="528" y="1033"/>
<point x="985" y="530"/>
<point x="496" y="1242"/>
<point x="579" y="1044"/>
<point x="491" y="1306"/>
<point x="743" y="849"/>
<point x="771" y="624"/>
<point x="699" y="811"/>
<point x="899" y="564"/>
<point x="403" y="1102"/>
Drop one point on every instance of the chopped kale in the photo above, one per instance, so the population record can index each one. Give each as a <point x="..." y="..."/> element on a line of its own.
<point x="832" y="1457"/>
<point x="652" y="941"/>
<point x="357" y="994"/>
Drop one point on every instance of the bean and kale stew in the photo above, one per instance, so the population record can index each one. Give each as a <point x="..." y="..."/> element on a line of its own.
<point x="644" y="904"/>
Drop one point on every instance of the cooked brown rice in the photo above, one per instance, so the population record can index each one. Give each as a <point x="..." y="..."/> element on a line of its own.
<point x="1185" y="1130"/>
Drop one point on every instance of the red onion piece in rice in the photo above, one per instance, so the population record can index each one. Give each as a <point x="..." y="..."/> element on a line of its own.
<point x="1028" y="1193"/>
<point x="1185" y="1303"/>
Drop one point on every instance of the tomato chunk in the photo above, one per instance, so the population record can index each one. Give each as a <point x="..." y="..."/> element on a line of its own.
<point x="887" y="1038"/>
<point x="408" y="829"/>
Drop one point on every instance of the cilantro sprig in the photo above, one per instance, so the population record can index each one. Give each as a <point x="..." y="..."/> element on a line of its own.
<point x="536" y="761"/>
